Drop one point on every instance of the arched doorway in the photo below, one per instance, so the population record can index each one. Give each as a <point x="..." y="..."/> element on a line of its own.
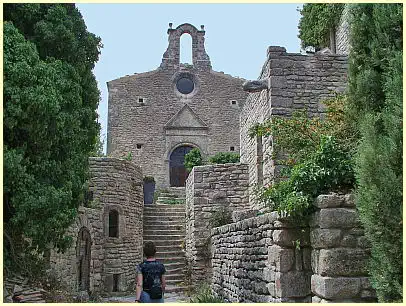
<point x="83" y="248"/>
<point x="177" y="170"/>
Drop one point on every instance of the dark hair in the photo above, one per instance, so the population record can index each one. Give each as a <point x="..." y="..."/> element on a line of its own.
<point x="149" y="249"/>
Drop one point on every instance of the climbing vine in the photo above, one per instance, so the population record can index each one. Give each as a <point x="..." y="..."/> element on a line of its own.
<point x="316" y="21"/>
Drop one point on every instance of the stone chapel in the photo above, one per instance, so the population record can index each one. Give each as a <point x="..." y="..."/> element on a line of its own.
<point x="159" y="116"/>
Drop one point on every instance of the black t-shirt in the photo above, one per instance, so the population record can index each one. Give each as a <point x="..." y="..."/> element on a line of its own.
<point x="151" y="273"/>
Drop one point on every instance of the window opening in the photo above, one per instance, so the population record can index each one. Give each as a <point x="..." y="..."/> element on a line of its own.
<point x="139" y="146"/>
<point x="232" y="148"/>
<point x="113" y="223"/>
<point x="185" y="49"/>
<point x="141" y="100"/>
<point x="116" y="278"/>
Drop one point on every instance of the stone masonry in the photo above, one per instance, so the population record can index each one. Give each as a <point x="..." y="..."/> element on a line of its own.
<point x="342" y="32"/>
<point x="340" y="252"/>
<point x="149" y="117"/>
<point x="269" y="259"/>
<point x="295" y="81"/>
<point x="208" y="188"/>
<point x="115" y="185"/>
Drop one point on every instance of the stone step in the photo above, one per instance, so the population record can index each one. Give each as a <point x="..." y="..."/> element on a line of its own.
<point x="175" y="266"/>
<point x="166" y="242"/>
<point x="172" y="260"/>
<point x="170" y="248"/>
<point x="165" y="202"/>
<point x="172" y="288"/>
<point x="162" y="223"/>
<point x="158" y="226"/>
<point x="170" y="254"/>
<point x="164" y="214"/>
<point x="171" y="194"/>
<point x="162" y="237"/>
<point x="170" y="271"/>
<point x="163" y="198"/>
<point x="163" y="218"/>
<point x="169" y="277"/>
<point x="164" y="207"/>
<point x="174" y="282"/>
<point x="163" y="232"/>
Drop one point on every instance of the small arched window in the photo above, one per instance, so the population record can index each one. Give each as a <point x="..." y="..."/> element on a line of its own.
<point x="113" y="223"/>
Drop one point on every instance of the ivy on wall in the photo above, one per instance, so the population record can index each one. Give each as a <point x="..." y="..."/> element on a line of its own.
<point x="316" y="22"/>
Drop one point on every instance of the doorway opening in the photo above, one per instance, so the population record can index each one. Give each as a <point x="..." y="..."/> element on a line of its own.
<point x="177" y="171"/>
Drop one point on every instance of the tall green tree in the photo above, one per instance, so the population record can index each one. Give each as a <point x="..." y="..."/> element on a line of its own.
<point x="375" y="96"/>
<point x="50" y="120"/>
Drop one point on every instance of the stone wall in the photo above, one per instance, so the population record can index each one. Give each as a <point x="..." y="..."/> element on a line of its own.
<point x="295" y="81"/>
<point x="207" y="118"/>
<point x="258" y="260"/>
<point x="209" y="188"/>
<point x="339" y="252"/>
<point x="114" y="185"/>
<point x="269" y="259"/>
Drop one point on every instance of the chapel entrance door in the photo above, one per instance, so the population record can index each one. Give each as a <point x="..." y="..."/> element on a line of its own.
<point x="83" y="259"/>
<point x="177" y="170"/>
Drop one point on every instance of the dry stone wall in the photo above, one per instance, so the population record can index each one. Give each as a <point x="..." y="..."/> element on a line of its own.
<point x="115" y="185"/>
<point x="295" y="81"/>
<point x="269" y="259"/>
<point x="209" y="188"/>
<point x="259" y="260"/>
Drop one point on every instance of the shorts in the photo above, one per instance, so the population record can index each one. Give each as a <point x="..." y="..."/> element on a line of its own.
<point x="145" y="298"/>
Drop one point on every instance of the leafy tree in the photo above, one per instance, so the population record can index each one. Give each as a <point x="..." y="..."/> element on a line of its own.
<point x="193" y="158"/>
<point x="375" y="98"/>
<point x="50" y="127"/>
<point x="316" y="22"/>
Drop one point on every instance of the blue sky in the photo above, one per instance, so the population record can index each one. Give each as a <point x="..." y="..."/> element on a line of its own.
<point x="237" y="36"/>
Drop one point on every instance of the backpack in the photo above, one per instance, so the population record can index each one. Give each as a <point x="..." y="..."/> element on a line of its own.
<point x="156" y="287"/>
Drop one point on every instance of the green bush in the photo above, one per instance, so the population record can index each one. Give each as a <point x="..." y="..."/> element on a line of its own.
<point x="376" y="101"/>
<point x="193" y="158"/>
<point x="149" y="179"/>
<point x="224" y="158"/>
<point x="316" y="21"/>
<point x="220" y="217"/>
<point x="327" y="169"/>
<point x="205" y="295"/>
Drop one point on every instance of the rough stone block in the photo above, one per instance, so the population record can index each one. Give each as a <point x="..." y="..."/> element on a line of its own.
<point x="239" y="215"/>
<point x="336" y="287"/>
<point x="325" y="238"/>
<point x="292" y="284"/>
<point x="343" y="262"/>
<point x="329" y="200"/>
<point x="288" y="237"/>
<point x="282" y="258"/>
<point x="338" y="218"/>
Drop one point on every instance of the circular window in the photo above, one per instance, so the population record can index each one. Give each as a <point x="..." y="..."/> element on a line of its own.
<point x="185" y="85"/>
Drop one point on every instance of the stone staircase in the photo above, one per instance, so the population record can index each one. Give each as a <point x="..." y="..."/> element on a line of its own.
<point x="172" y="195"/>
<point x="164" y="224"/>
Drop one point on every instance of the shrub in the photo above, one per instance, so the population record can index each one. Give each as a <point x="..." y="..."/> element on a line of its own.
<point x="149" y="179"/>
<point x="205" y="295"/>
<point x="225" y="158"/>
<point x="327" y="169"/>
<point x="193" y="158"/>
<point x="220" y="217"/>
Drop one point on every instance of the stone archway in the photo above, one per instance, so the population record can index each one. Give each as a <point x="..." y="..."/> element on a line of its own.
<point x="177" y="170"/>
<point x="83" y="256"/>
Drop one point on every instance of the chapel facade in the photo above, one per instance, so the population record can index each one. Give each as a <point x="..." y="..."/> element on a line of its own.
<point x="159" y="116"/>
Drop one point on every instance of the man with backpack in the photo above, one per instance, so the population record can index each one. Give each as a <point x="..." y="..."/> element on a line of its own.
<point x="150" y="277"/>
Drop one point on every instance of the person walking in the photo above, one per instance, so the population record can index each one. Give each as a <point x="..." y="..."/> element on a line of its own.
<point x="150" y="277"/>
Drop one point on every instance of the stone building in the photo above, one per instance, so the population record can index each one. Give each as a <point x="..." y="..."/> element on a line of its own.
<point x="107" y="233"/>
<point x="159" y="116"/>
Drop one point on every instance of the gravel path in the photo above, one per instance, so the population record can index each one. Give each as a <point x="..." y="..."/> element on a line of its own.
<point x="175" y="297"/>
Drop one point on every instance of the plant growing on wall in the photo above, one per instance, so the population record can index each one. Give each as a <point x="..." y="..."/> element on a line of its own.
<point x="193" y="158"/>
<point x="317" y="157"/>
<point x="316" y="22"/>
<point x="224" y="158"/>
<point x="220" y="217"/>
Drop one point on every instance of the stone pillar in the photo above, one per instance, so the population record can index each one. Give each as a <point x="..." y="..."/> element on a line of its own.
<point x="340" y="252"/>
<point x="288" y="269"/>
